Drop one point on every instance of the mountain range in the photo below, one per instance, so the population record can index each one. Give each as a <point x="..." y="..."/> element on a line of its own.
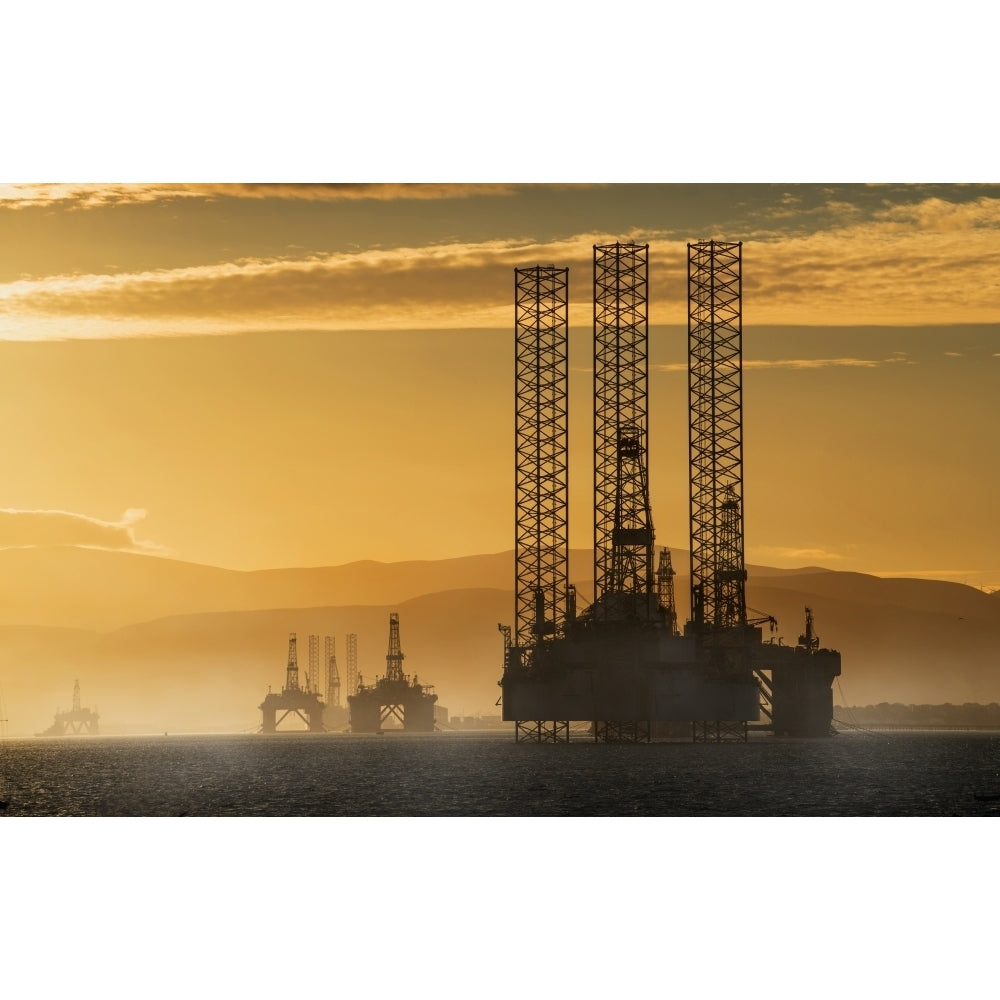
<point x="163" y="645"/>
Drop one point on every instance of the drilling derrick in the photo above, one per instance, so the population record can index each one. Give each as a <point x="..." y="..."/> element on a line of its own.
<point x="665" y="590"/>
<point x="393" y="701"/>
<point x="394" y="658"/>
<point x="304" y="703"/>
<point x="623" y="525"/>
<point x="292" y="670"/>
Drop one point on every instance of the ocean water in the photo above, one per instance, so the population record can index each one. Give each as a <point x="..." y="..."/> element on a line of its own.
<point x="489" y="774"/>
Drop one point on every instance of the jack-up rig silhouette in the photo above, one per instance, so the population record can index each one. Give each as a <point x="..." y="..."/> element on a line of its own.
<point x="621" y="665"/>
<point x="76" y="722"/>
<point x="393" y="701"/>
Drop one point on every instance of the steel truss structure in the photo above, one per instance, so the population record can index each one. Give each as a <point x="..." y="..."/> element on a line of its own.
<point x="623" y="523"/>
<point x="541" y="486"/>
<point x="292" y="669"/>
<point x="623" y="732"/>
<point x="352" y="664"/>
<point x="394" y="656"/>
<point x="541" y="732"/>
<point x="715" y="391"/>
<point x="665" y="590"/>
<point x="719" y="732"/>
<point x="312" y="676"/>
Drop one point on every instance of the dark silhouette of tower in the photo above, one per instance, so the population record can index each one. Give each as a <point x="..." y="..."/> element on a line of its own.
<point x="393" y="701"/>
<point x="620" y="665"/>
<point x="293" y="700"/>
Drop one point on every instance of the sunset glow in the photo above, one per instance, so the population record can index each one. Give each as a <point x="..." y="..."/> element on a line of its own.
<point x="178" y="349"/>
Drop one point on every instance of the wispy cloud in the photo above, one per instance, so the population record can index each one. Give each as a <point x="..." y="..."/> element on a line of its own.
<point x="84" y="196"/>
<point x="803" y="363"/>
<point x="910" y="265"/>
<point x="929" y="261"/>
<point x="31" y="528"/>
<point x="436" y="286"/>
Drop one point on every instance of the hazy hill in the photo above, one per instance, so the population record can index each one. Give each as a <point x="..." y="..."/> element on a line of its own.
<point x="74" y="587"/>
<point x="209" y="672"/>
<point x="162" y="645"/>
<point x="100" y="589"/>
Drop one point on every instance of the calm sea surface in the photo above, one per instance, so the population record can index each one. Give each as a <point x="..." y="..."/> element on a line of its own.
<point x="488" y="774"/>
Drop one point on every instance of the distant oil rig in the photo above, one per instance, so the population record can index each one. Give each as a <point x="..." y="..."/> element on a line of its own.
<point x="76" y="722"/>
<point x="622" y="665"/>
<point x="392" y="702"/>
<point x="301" y="701"/>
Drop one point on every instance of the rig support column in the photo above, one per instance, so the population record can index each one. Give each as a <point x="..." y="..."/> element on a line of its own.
<point x="541" y="470"/>
<point x="715" y="388"/>
<point x="541" y="474"/>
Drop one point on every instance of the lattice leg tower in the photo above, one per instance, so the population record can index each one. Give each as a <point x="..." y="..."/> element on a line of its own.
<point x="715" y="388"/>
<point x="541" y="467"/>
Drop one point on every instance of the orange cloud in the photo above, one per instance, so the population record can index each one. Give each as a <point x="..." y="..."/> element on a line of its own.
<point x="25" y="528"/>
<point x="18" y="196"/>
<point x="437" y="286"/>
<point x="898" y="268"/>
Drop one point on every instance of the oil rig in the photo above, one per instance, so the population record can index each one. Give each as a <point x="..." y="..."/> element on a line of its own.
<point x="302" y="702"/>
<point x="393" y="701"/>
<point x="76" y="722"/>
<point x="622" y="665"/>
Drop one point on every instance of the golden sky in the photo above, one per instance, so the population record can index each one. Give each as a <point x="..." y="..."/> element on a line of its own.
<point x="262" y="376"/>
<point x="277" y="374"/>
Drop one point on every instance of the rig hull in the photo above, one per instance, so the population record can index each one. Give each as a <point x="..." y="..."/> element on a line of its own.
<point x="398" y="702"/>
<point x="801" y="689"/>
<point x="629" y="678"/>
<point x="648" y="676"/>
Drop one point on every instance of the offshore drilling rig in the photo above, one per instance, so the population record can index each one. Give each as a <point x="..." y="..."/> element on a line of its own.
<point x="302" y="702"/>
<point x="76" y="722"/>
<point x="621" y="665"/>
<point x="393" y="699"/>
